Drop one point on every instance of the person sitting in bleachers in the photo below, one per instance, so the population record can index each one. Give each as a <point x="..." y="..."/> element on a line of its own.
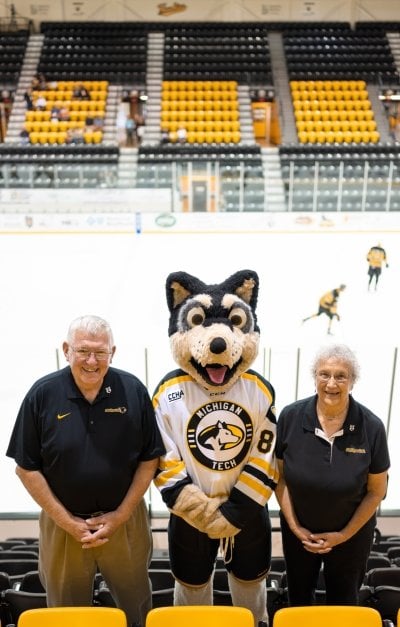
<point x="40" y="103"/>
<point x="28" y="99"/>
<point x="75" y="136"/>
<point x="80" y="92"/>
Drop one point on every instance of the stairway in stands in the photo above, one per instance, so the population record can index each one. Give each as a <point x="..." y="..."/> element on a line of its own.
<point x="28" y="70"/>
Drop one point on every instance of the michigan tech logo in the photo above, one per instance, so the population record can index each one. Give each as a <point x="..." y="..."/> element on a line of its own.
<point x="219" y="435"/>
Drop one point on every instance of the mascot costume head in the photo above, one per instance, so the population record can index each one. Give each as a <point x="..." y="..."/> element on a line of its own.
<point x="213" y="328"/>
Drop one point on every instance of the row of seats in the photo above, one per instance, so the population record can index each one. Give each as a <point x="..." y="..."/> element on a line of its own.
<point x="333" y="114"/>
<point x="201" y="125"/>
<point x="189" y="85"/>
<point x="338" y="137"/>
<point x="335" y="125"/>
<point x="199" y="105"/>
<point x="209" y="137"/>
<point x="53" y="125"/>
<point x="188" y="116"/>
<point x="61" y="137"/>
<point x="14" y="154"/>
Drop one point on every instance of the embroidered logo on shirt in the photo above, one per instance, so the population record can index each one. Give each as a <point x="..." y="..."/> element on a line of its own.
<point x="355" y="450"/>
<point x="115" y="410"/>
<point x="61" y="416"/>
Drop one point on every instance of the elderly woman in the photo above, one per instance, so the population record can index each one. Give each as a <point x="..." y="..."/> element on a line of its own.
<point x="333" y="460"/>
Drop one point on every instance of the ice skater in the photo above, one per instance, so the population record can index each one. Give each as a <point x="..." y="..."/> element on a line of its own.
<point x="328" y="306"/>
<point x="376" y="258"/>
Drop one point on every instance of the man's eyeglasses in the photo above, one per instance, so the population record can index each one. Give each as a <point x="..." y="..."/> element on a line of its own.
<point x="85" y="353"/>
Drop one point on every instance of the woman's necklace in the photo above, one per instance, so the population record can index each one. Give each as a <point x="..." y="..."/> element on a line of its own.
<point x="331" y="423"/>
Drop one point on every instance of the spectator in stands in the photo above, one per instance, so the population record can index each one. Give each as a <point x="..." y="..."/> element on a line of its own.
<point x="24" y="135"/>
<point x="80" y="92"/>
<point x="64" y="114"/>
<point x="29" y="99"/>
<point x="130" y="129"/>
<point x="55" y="112"/>
<point x="140" y="130"/>
<point x="87" y="445"/>
<point x="98" y="122"/>
<point x="181" y="134"/>
<point x="75" y="136"/>
<point x="39" y="82"/>
<point x="333" y="470"/>
<point x="40" y="103"/>
<point x="164" y="136"/>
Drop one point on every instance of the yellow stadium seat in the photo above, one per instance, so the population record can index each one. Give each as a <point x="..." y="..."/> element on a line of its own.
<point x="73" y="616"/>
<point x="374" y="136"/>
<point x="339" y="137"/>
<point x="200" y="137"/>
<point x="327" y="615"/>
<point x="34" y="137"/>
<point x="347" y="137"/>
<point x="303" y="137"/>
<point x="312" y="137"/>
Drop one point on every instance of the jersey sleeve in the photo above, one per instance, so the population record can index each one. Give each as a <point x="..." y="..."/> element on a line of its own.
<point x="172" y="473"/>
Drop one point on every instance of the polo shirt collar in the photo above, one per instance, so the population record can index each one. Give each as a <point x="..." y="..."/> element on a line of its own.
<point x="74" y="392"/>
<point x="352" y="424"/>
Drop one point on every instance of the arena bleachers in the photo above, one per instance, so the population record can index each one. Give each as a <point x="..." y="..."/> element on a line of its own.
<point x="111" y="51"/>
<point x="201" y="78"/>
<point x="218" y="51"/>
<point x="12" y="50"/>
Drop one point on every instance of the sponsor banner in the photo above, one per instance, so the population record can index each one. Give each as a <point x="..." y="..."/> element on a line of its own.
<point x="269" y="222"/>
<point x="85" y="201"/>
<point x="165" y="222"/>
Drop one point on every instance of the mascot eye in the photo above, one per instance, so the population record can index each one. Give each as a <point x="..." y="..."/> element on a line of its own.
<point x="195" y="317"/>
<point x="238" y="317"/>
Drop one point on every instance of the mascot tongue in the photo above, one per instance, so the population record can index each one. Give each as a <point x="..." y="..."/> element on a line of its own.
<point x="216" y="373"/>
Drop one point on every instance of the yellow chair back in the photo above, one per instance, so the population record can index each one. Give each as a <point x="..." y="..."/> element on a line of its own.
<point x="327" y="616"/>
<point x="199" y="616"/>
<point x="73" y="617"/>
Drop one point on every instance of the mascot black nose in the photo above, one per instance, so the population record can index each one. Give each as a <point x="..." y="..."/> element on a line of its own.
<point x="218" y="345"/>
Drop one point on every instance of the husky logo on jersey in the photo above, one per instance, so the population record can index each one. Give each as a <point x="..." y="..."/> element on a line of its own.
<point x="219" y="435"/>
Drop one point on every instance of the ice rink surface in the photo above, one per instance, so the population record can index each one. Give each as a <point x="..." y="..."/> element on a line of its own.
<point x="49" y="279"/>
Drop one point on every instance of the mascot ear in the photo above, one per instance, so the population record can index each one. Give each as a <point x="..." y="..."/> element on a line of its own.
<point x="244" y="284"/>
<point x="181" y="285"/>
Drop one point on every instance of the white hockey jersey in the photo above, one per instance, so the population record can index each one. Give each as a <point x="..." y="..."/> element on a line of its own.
<point x="219" y="441"/>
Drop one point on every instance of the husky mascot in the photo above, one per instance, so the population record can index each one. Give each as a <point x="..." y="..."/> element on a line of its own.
<point x="217" y="419"/>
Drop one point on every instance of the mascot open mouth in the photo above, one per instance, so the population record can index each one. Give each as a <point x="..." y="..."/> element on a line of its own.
<point x="215" y="374"/>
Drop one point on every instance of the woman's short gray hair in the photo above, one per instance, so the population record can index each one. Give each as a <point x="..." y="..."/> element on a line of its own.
<point x="94" y="325"/>
<point x="337" y="351"/>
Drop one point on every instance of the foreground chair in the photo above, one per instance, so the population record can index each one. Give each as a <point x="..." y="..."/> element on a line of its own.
<point x="328" y="616"/>
<point x="198" y="616"/>
<point x="15" y="602"/>
<point x="73" y="617"/>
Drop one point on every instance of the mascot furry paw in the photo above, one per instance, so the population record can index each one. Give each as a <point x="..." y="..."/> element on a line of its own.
<point x="217" y="419"/>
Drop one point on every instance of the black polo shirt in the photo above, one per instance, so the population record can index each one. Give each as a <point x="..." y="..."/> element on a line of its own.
<point x="87" y="452"/>
<point x="328" y="481"/>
